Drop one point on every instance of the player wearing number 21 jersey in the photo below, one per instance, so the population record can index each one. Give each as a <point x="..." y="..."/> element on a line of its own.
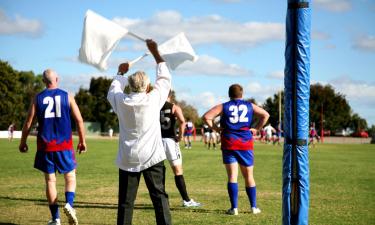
<point x="54" y="126"/>
<point x="237" y="145"/>
<point x="53" y="108"/>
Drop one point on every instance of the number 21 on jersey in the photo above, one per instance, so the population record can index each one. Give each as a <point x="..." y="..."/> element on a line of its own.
<point x="238" y="113"/>
<point x="50" y="102"/>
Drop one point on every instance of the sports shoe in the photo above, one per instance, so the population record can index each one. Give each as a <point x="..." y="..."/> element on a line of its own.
<point x="191" y="203"/>
<point x="54" y="222"/>
<point x="71" y="214"/>
<point x="255" y="210"/>
<point x="233" y="211"/>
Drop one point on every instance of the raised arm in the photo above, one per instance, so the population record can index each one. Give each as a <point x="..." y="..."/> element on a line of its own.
<point x="153" y="48"/>
<point x="81" y="147"/>
<point x="163" y="77"/>
<point x="26" y="127"/>
<point x="211" y="114"/>
<point x="177" y="112"/>
<point x="118" y="84"/>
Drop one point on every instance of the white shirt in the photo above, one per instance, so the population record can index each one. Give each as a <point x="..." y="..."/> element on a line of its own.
<point x="269" y="130"/>
<point x="140" y="143"/>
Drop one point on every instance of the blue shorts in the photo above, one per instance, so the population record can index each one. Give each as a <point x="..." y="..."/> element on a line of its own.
<point x="242" y="157"/>
<point x="49" y="162"/>
<point x="188" y="134"/>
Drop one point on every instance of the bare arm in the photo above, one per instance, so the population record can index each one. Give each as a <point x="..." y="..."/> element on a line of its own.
<point x="176" y="110"/>
<point x="262" y="115"/>
<point x="211" y="114"/>
<point x="153" y="48"/>
<point x="81" y="147"/>
<point x="26" y="127"/>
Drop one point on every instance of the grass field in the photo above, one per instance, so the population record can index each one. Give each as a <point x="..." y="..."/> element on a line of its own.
<point x="342" y="186"/>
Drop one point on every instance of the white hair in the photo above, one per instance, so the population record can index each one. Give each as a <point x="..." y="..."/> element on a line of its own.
<point x="138" y="82"/>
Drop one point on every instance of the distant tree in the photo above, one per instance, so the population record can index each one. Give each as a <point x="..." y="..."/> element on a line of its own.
<point x="271" y="105"/>
<point x="357" y="123"/>
<point x="252" y="100"/>
<point x="371" y="131"/>
<point x="336" y="110"/>
<point x="94" y="105"/>
<point x="31" y="85"/>
<point x="11" y="106"/>
<point x="16" y="91"/>
<point x="191" y="112"/>
<point x="86" y="104"/>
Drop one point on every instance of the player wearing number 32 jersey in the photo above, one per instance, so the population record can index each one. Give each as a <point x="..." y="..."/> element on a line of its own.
<point x="235" y="124"/>
<point x="237" y="146"/>
<point x="53" y="108"/>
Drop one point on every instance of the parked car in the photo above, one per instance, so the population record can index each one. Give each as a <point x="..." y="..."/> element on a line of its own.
<point x="362" y="134"/>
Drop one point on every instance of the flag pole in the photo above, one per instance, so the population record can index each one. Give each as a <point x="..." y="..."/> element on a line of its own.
<point x="136" y="36"/>
<point x="131" y="63"/>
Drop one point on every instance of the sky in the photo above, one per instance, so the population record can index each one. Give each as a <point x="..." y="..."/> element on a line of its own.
<point x="237" y="41"/>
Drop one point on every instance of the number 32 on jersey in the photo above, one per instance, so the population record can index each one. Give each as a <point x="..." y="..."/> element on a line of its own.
<point x="238" y="113"/>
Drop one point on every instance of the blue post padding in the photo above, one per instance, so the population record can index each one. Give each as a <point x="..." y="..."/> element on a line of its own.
<point x="304" y="184"/>
<point x="287" y="178"/>
<point x="296" y="123"/>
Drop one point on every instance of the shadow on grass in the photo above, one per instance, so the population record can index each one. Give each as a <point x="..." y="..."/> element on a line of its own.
<point x="97" y="205"/>
<point x="1" y="223"/>
<point x="77" y="204"/>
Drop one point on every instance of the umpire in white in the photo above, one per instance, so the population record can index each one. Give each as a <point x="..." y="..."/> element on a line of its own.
<point x="140" y="145"/>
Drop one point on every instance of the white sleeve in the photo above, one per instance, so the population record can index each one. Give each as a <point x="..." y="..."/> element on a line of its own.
<point x="116" y="89"/>
<point x="162" y="85"/>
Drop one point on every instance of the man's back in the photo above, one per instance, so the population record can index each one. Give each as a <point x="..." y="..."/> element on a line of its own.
<point x="54" y="125"/>
<point x="235" y="122"/>
<point x="140" y="144"/>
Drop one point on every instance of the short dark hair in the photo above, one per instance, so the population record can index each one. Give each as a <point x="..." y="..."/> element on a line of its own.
<point x="235" y="91"/>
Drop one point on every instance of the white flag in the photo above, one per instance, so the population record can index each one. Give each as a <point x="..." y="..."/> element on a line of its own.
<point x="99" y="38"/>
<point x="177" y="50"/>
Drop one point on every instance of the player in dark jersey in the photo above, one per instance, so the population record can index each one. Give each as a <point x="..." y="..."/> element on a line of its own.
<point x="168" y="115"/>
<point x="53" y="108"/>
<point x="205" y="130"/>
<point x="237" y="142"/>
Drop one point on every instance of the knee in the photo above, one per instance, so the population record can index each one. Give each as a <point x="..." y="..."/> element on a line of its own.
<point x="51" y="180"/>
<point x="178" y="170"/>
<point x="70" y="177"/>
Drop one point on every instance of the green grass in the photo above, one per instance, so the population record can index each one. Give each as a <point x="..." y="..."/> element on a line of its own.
<point x="342" y="186"/>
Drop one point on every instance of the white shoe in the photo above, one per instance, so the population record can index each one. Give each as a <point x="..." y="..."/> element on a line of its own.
<point x="233" y="211"/>
<point x="71" y="214"/>
<point x="255" y="210"/>
<point x="54" y="222"/>
<point x="191" y="203"/>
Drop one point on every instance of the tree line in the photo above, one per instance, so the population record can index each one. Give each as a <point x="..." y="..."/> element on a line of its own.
<point x="327" y="108"/>
<point x="18" y="87"/>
